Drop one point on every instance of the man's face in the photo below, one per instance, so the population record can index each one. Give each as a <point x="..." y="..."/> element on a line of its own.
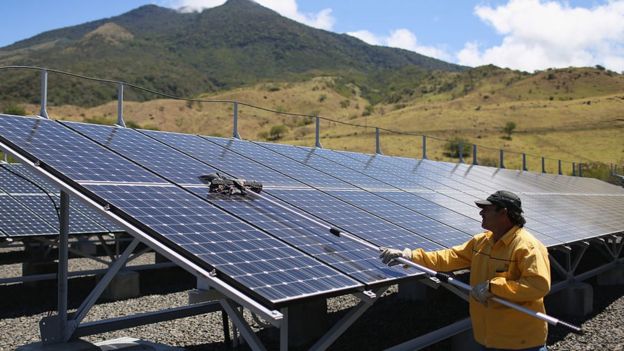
<point x="490" y="217"/>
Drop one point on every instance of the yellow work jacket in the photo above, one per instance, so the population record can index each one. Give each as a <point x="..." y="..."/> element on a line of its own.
<point x="518" y="269"/>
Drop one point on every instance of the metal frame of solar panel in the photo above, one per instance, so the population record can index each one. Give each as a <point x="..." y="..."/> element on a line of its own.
<point x="148" y="181"/>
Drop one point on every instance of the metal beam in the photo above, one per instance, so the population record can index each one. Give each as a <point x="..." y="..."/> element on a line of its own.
<point x="242" y="325"/>
<point x="107" y="325"/>
<point x="341" y="326"/>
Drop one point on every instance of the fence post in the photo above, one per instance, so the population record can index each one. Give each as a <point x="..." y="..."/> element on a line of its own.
<point x="524" y="165"/>
<point x="580" y="166"/>
<point x="543" y="165"/>
<point x="43" y="112"/>
<point x="424" y="147"/>
<point x="460" y="149"/>
<point x="235" y="122"/>
<point x="318" y="133"/>
<point x="501" y="159"/>
<point x="377" y="142"/>
<point x="120" y="92"/>
<point x="573" y="169"/>
<point x="475" y="160"/>
<point x="559" y="164"/>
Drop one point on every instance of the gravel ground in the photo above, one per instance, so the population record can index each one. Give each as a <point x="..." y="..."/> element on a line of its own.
<point x="391" y="320"/>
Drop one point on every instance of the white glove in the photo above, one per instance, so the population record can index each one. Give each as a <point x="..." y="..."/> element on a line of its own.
<point x="388" y="256"/>
<point x="481" y="292"/>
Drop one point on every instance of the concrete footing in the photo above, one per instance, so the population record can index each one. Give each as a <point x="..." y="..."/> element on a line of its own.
<point x="575" y="300"/>
<point x="36" y="268"/>
<point x="84" y="246"/>
<point x="124" y="285"/>
<point x="464" y="341"/>
<point x="412" y="290"/>
<point x="613" y="276"/>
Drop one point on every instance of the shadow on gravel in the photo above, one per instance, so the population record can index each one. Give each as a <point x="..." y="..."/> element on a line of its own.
<point x="390" y="321"/>
<point x="30" y="299"/>
<point x="603" y="297"/>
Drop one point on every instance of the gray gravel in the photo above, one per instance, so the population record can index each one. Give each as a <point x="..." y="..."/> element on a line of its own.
<point x="390" y="317"/>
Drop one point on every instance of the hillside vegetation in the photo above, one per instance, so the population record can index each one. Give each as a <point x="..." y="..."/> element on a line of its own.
<point x="575" y="114"/>
<point x="233" y="45"/>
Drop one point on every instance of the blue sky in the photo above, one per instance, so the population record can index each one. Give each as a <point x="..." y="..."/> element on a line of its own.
<point x="519" y="34"/>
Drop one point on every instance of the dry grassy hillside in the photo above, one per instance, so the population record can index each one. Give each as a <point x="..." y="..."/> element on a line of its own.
<point x="576" y="115"/>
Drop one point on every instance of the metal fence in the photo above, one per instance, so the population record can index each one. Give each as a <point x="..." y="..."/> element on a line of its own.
<point x="411" y="143"/>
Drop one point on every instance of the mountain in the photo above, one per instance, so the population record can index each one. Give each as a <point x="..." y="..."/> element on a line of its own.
<point x="184" y="54"/>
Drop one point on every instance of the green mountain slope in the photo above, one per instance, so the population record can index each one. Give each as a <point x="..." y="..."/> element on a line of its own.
<point x="236" y="44"/>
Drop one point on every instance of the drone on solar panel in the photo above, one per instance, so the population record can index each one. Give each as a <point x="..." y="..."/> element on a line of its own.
<point x="221" y="184"/>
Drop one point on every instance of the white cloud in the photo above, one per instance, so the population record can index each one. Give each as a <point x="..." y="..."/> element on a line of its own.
<point x="401" y="38"/>
<point x="287" y="8"/>
<point x="541" y="34"/>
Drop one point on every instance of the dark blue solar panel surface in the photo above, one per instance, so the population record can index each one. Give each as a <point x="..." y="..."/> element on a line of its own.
<point x="371" y="203"/>
<point x="43" y="204"/>
<point x="553" y="222"/>
<point x="17" y="220"/>
<point x="186" y="222"/>
<point x="321" y="205"/>
<point x="385" y="184"/>
<point x="312" y="238"/>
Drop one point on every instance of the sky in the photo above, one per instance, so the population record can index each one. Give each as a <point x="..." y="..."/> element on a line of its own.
<point x="527" y="35"/>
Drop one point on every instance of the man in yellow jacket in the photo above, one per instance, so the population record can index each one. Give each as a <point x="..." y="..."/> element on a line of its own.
<point x="505" y="261"/>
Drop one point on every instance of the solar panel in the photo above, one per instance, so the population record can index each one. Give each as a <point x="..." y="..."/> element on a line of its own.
<point x="386" y="210"/>
<point x="412" y="198"/>
<point x="320" y="204"/>
<point x="17" y="220"/>
<point x="408" y="168"/>
<point x="42" y="199"/>
<point x="263" y="266"/>
<point x="551" y="222"/>
<point x="345" y="255"/>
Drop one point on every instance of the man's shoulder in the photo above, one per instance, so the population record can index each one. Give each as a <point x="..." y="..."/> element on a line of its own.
<point x="527" y="239"/>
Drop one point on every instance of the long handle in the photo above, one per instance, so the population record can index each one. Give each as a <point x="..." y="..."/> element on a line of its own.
<point x="449" y="279"/>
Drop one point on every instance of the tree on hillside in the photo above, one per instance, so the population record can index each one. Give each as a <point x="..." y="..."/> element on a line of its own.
<point x="508" y="129"/>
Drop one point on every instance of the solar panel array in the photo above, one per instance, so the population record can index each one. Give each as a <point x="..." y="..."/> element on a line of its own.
<point x="30" y="206"/>
<point x="151" y="179"/>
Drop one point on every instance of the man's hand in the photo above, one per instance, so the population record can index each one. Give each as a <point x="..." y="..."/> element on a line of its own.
<point x="481" y="292"/>
<point x="388" y="256"/>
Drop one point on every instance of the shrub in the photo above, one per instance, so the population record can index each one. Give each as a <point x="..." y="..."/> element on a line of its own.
<point x="508" y="129"/>
<point x="277" y="132"/>
<point x="14" y="109"/>
<point x="454" y="145"/>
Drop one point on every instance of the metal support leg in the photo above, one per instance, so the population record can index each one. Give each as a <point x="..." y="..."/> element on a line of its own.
<point x="377" y="142"/>
<point x="63" y="266"/>
<point x="341" y="326"/>
<point x="318" y="133"/>
<point x="560" y="171"/>
<point x="284" y="330"/>
<point x="543" y="165"/>
<point x="99" y="288"/>
<point x="524" y="162"/>
<point x="460" y="151"/>
<point x="475" y="159"/>
<point x="43" y="112"/>
<point x="235" y="122"/>
<point x="424" y="147"/>
<point x="501" y="159"/>
<point x="120" y="96"/>
<point x="241" y="324"/>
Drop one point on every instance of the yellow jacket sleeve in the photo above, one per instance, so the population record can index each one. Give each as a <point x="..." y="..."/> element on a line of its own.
<point x="457" y="257"/>
<point x="533" y="282"/>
